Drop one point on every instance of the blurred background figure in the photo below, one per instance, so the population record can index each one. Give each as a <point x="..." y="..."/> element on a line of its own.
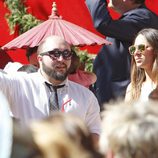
<point x="31" y="54"/>
<point x="15" y="140"/>
<point x="28" y="68"/>
<point x="130" y="131"/>
<point x="144" y="66"/>
<point x="63" y="136"/>
<point x="5" y="128"/>
<point x="77" y="75"/>
<point x="23" y="145"/>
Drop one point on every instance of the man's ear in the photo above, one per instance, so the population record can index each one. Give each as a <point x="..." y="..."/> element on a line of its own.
<point x="39" y="58"/>
<point x="109" y="154"/>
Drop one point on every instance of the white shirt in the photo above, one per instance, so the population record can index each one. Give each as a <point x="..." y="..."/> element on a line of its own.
<point x="146" y="89"/>
<point x="28" y="96"/>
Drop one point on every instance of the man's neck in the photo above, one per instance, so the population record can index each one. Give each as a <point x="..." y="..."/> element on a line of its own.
<point x="50" y="79"/>
<point x="124" y="9"/>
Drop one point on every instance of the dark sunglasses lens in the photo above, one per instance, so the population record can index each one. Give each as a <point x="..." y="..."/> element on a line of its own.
<point x="132" y="49"/>
<point x="66" y="54"/>
<point x="55" y="53"/>
<point x="141" y="47"/>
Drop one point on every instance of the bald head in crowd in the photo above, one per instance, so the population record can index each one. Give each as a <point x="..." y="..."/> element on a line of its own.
<point x="54" y="56"/>
<point x="51" y="43"/>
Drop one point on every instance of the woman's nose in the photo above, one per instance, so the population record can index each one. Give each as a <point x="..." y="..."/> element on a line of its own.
<point x="137" y="52"/>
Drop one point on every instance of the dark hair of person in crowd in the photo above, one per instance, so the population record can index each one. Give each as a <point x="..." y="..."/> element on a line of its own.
<point x="75" y="63"/>
<point x="29" y="68"/>
<point x="31" y="54"/>
<point x="139" y="1"/>
<point x="30" y="51"/>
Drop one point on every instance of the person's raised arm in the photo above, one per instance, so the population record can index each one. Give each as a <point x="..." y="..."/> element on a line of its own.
<point x="123" y="28"/>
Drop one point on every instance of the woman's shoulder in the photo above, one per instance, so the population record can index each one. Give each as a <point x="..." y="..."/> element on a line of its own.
<point x="128" y="93"/>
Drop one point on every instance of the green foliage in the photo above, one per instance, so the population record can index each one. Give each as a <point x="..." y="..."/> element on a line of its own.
<point x="18" y="16"/>
<point x="86" y="59"/>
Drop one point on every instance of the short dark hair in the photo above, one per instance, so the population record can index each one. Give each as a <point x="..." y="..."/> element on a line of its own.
<point x="29" y="68"/>
<point x="31" y="51"/>
<point x="139" y="1"/>
<point x="75" y="63"/>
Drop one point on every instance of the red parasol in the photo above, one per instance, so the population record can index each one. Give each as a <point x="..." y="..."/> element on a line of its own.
<point x="55" y="25"/>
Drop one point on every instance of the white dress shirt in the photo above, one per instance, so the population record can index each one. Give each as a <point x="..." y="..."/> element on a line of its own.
<point x="29" y="99"/>
<point x="146" y="89"/>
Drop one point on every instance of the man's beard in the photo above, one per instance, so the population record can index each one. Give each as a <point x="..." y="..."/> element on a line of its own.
<point x="55" y="74"/>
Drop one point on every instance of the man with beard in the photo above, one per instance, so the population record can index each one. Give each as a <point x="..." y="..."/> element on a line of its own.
<point x="29" y="94"/>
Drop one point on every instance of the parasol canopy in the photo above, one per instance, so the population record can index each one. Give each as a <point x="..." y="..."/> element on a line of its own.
<point x="55" y="25"/>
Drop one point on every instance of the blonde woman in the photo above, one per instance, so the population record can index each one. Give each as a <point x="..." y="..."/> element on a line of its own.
<point x="144" y="68"/>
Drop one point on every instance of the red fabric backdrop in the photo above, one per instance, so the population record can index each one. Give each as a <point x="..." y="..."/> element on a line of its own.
<point x="74" y="11"/>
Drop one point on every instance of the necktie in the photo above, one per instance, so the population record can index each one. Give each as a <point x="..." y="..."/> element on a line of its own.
<point x="53" y="99"/>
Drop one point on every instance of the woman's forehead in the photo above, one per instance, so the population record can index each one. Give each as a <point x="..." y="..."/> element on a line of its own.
<point x="140" y="39"/>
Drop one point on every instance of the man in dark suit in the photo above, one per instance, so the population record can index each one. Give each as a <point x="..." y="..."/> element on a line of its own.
<point x="112" y="64"/>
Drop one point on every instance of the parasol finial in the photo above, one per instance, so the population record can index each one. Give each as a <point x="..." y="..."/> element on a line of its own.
<point x="54" y="11"/>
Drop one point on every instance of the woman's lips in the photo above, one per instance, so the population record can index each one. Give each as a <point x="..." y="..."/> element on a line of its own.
<point x="138" y="60"/>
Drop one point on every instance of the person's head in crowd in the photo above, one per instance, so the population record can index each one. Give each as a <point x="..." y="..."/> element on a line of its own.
<point x="15" y="140"/>
<point x="31" y="54"/>
<point x="29" y="68"/>
<point x="125" y="5"/>
<point x="54" y="56"/>
<point x="144" y="64"/>
<point x="78" y="74"/>
<point x="130" y="131"/>
<point x="75" y="63"/>
<point x="63" y="136"/>
<point x="23" y="145"/>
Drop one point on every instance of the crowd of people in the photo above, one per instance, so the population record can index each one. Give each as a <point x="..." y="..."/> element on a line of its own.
<point x="52" y="110"/>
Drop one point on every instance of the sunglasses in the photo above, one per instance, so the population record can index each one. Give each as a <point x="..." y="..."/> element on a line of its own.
<point x="141" y="48"/>
<point x="55" y="54"/>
